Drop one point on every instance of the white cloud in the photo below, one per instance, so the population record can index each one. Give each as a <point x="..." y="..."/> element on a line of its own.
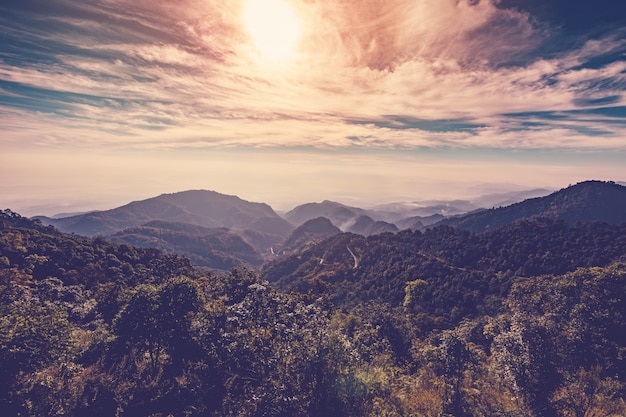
<point x="159" y="76"/>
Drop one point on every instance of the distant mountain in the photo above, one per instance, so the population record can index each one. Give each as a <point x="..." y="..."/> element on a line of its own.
<point x="506" y="199"/>
<point x="413" y="215"/>
<point x="312" y="231"/>
<point x="211" y="229"/>
<point x="218" y="248"/>
<point x="340" y="215"/>
<point x="366" y="226"/>
<point x="399" y="213"/>
<point x="394" y="212"/>
<point x="583" y="202"/>
<point x="418" y="222"/>
<point x="77" y="213"/>
<point x="197" y="207"/>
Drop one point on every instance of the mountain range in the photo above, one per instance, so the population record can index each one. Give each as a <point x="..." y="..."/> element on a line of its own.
<point x="515" y="310"/>
<point x="212" y="229"/>
<point x="222" y="231"/>
<point x="196" y="207"/>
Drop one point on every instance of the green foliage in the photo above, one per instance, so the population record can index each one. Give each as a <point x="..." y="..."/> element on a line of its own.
<point x="217" y="248"/>
<point x="90" y="328"/>
<point x="414" y="292"/>
<point x="468" y="274"/>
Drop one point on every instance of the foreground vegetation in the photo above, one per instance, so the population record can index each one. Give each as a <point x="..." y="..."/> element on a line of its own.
<point x="91" y="328"/>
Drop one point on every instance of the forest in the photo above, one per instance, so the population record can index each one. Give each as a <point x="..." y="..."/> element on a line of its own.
<point x="526" y="320"/>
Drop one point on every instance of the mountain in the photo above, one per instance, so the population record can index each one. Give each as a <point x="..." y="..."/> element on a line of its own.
<point x="340" y="215"/>
<point x="312" y="231"/>
<point x="584" y="202"/>
<point x="256" y="224"/>
<point x="399" y="213"/>
<point x="196" y="207"/>
<point x="393" y="212"/>
<point x="46" y="253"/>
<point x="465" y="271"/>
<point x="218" y="248"/>
<point x="366" y="226"/>
<point x="418" y="222"/>
<point x="506" y="199"/>
<point x="402" y="215"/>
<point x="524" y="320"/>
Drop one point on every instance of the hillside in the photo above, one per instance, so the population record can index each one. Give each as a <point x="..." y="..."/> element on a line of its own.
<point x="310" y="232"/>
<point x="418" y="222"/>
<point x="340" y="215"/>
<point x="428" y="323"/>
<point x="197" y="207"/>
<point x="219" y="248"/>
<point x="366" y="226"/>
<point x="583" y="202"/>
<point x="466" y="272"/>
<point x="42" y="251"/>
<point x="214" y="230"/>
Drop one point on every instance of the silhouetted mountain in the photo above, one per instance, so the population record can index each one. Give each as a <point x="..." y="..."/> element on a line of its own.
<point x="366" y="226"/>
<point x="198" y="207"/>
<point x="583" y="202"/>
<point x="218" y="248"/>
<point x="340" y="215"/>
<point x="312" y="231"/>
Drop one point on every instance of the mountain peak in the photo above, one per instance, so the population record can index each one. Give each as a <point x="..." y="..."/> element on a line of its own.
<point x="311" y="231"/>
<point x="366" y="226"/>
<point x="196" y="207"/>
<point x="339" y="214"/>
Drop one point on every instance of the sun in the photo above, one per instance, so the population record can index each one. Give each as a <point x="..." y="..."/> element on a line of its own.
<point x="274" y="28"/>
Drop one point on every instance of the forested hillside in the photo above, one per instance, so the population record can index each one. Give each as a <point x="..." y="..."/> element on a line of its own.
<point x="464" y="274"/>
<point x="583" y="202"/>
<point x="219" y="248"/>
<point x="438" y="323"/>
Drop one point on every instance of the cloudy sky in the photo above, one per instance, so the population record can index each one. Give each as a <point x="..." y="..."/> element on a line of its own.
<point x="291" y="101"/>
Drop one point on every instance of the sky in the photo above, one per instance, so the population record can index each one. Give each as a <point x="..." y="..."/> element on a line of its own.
<point x="103" y="102"/>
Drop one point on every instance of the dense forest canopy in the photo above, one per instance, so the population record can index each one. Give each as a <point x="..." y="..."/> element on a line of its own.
<point x="526" y="321"/>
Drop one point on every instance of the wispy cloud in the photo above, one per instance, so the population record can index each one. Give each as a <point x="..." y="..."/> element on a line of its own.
<point x="133" y="68"/>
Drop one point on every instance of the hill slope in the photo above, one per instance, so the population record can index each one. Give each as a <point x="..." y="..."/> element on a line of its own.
<point x="366" y="226"/>
<point x="583" y="202"/>
<point x="197" y="217"/>
<point x="466" y="272"/>
<point x="196" y="207"/>
<point x="340" y="215"/>
<point x="312" y="231"/>
<point x="219" y="248"/>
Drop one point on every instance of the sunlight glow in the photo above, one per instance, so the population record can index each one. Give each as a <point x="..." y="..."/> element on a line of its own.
<point x="274" y="28"/>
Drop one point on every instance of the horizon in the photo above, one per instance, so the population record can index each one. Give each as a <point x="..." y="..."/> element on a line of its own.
<point x="291" y="101"/>
<point x="55" y="211"/>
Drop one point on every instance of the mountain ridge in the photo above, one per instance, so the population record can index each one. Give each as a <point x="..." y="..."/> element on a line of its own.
<point x="199" y="207"/>
<point x="214" y="230"/>
<point x="310" y="232"/>
<point x="583" y="202"/>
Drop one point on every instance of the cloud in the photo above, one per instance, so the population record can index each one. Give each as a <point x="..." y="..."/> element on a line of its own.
<point x="391" y="74"/>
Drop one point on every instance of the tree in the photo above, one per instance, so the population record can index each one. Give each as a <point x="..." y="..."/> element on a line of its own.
<point x="32" y="336"/>
<point x="414" y="293"/>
